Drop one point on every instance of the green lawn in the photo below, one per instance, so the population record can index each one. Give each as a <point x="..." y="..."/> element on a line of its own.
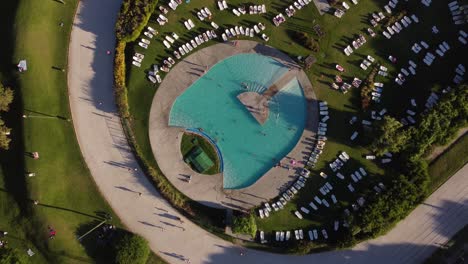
<point x="69" y="200"/>
<point x="189" y="141"/>
<point x="449" y="162"/>
<point x="338" y="33"/>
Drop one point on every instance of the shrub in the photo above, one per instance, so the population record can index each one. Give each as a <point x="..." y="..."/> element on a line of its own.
<point x="131" y="249"/>
<point x="245" y="225"/>
<point x="306" y="41"/>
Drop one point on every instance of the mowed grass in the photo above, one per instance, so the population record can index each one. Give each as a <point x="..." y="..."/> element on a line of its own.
<point x="189" y="141"/>
<point x="342" y="107"/>
<point x="449" y="162"/>
<point x="69" y="200"/>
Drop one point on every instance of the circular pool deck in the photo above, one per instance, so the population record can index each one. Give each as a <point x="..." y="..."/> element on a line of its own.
<point x="165" y="140"/>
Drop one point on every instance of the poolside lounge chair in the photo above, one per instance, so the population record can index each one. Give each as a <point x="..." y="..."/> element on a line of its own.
<point x="298" y="215"/>
<point x="311" y="235"/>
<point x="318" y="200"/>
<point x="336" y="225"/>
<point x="325" y="202"/>
<point x="324" y="233"/>
<point x="311" y="204"/>
<point x="305" y="210"/>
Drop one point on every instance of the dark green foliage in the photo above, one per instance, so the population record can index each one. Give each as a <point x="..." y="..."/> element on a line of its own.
<point x="409" y="188"/>
<point x="305" y="40"/>
<point x="12" y="256"/>
<point x="390" y="136"/>
<point x="439" y="125"/>
<point x="6" y="97"/>
<point x="245" y="225"/>
<point x="131" y="249"/>
<point x="133" y="17"/>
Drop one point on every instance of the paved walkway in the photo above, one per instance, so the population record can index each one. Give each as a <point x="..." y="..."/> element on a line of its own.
<point x="165" y="139"/>
<point x="107" y="154"/>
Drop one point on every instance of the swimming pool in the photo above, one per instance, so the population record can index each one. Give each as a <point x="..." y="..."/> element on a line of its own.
<point x="248" y="149"/>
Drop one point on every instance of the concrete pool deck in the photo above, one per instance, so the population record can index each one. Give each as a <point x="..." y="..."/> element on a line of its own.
<point x="165" y="140"/>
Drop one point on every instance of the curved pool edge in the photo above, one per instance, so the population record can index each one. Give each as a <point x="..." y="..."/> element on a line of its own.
<point x="212" y="142"/>
<point x="165" y="140"/>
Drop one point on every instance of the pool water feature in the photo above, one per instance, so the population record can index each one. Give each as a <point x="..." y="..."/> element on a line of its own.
<point x="248" y="149"/>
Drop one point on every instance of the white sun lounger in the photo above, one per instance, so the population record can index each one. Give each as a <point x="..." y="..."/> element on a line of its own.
<point x="298" y="215"/>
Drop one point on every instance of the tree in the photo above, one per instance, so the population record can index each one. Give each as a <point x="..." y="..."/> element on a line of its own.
<point x="131" y="249"/>
<point x="245" y="225"/>
<point x="390" y="137"/>
<point x="6" y="97"/>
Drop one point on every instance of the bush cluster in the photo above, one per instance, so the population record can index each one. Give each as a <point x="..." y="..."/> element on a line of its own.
<point x="245" y="225"/>
<point x="131" y="249"/>
<point x="119" y="79"/>
<point x="6" y="97"/>
<point x="410" y="177"/>
<point x="307" y="41"/>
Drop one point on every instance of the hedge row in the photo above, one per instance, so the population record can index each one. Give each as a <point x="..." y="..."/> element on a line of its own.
<point x="120" y="89"/>
<point x="133" y="17"/>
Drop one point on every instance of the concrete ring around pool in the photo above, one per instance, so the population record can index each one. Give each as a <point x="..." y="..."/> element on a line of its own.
<point x="165" y="139"/>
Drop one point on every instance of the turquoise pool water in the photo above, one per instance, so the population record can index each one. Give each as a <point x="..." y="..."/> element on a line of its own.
<point x="248" y="149"/>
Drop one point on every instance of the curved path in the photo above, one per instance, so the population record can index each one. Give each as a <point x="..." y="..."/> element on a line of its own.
<point x="112" y="165"/>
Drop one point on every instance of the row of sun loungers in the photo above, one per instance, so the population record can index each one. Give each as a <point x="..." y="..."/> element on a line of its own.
<point x="189" y="24"/>
<point x="458" y="13"/>
<point x="281" y="236"/>
<point x="366" y="63"/>
<point x="298" y="5"/>
<point x="376" y="18"/>
<point x="431" y="100"/>
<point x="173" y="4"/>
<point x="279" y="19"/>
<point x="409" y="118"/>
<point x="194" y="43"/>
<point x="144" y="43"/>
<point x="168" y="40"/>
<point x="239" y="11"/>
<point x="153" y="75"/>
<point x="257" y="9"/>
<point x="397" y="27"/>
<point x="241" y="31"/>
<point x="359" y="41"/>
<point x="321" y="140"/>
<point x="339" y="162"/>
<point x="391" y="5"/>
<point x="204" y="13"/>
<point x="339" y="12"/>
<point x="462" y="37"/>
<point x="460" y="73"/>
<point x="358" y="175"/>
<point x="162" y="19"/>
<point x="222" y="5"/>
<point x="426" y="3"/>
<point x="285" y="196"/>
